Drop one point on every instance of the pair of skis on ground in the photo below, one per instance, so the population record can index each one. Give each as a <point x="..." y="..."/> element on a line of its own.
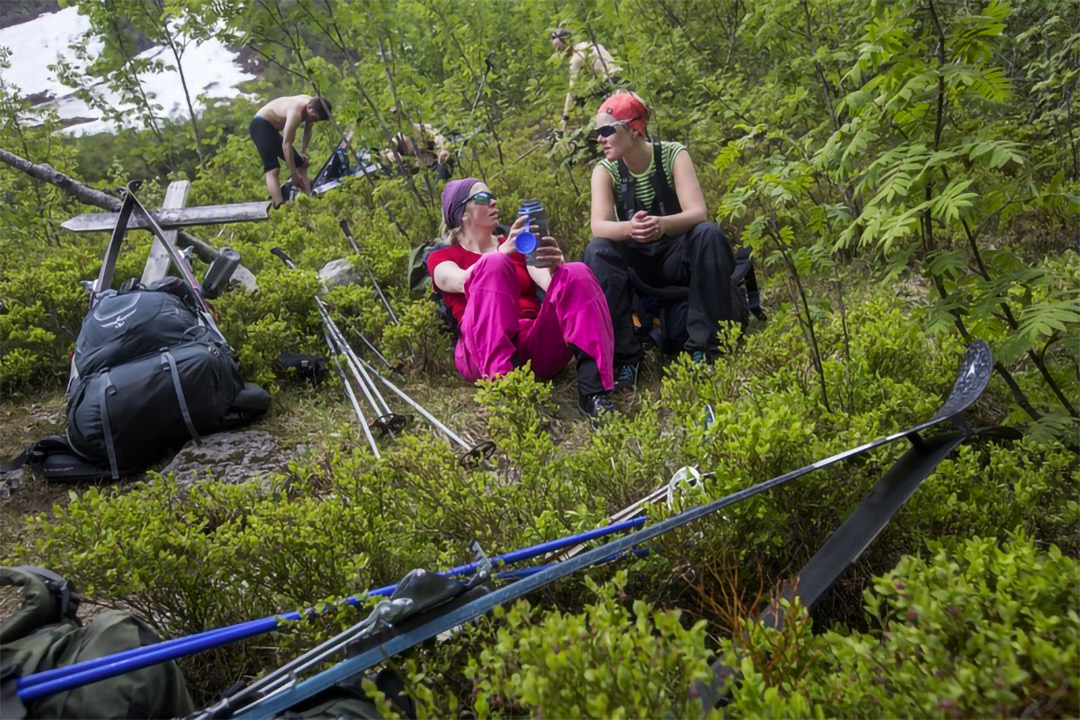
<point x="839" y="551"/>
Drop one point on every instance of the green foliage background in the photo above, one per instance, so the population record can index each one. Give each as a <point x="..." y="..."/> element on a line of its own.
<point x="908" y="174"/>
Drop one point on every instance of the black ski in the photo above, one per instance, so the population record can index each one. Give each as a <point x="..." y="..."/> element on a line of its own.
<point x="972" y="380"/>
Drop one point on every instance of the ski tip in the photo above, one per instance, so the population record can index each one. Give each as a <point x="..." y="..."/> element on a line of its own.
<point x="972" y="380"/>
<point x="978" y="361"/>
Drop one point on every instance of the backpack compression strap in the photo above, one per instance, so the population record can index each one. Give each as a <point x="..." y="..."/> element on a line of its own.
<point x="168" y="359"/>
<point x="107" y="427"/>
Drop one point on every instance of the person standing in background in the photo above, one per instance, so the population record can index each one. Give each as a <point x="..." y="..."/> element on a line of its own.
<point x="596" y="60"/>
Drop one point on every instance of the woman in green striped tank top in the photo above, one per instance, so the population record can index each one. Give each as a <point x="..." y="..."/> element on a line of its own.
<point x="651" y="231"/>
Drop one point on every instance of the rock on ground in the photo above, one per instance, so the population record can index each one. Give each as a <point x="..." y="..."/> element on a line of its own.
<point x="338" y="272"/>
<point x="233" y="457"/>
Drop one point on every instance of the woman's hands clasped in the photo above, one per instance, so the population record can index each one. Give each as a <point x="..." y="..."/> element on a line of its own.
<point x="645" y="228"/>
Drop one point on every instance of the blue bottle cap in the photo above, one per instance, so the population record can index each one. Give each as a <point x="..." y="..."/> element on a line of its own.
<point x="525" y="242"/>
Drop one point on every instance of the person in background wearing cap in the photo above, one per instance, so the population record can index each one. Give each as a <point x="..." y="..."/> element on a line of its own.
<point x="492" y="294"/>
<point x="595" y="57"/>
<point x="648" y="216"/>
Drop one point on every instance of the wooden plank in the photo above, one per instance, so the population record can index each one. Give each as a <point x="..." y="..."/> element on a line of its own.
<point x="157" y="263"/>
<point x="175" y="218"/>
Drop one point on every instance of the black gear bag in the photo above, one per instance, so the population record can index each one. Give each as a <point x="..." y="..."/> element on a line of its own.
<point x="150" y="371"/>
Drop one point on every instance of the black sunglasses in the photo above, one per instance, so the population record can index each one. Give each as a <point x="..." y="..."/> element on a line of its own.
<point x="608" y="130"/>
<point x="484" y="197"/>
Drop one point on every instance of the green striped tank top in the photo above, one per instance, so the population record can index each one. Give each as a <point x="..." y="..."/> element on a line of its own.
<point x="643" y="188"/>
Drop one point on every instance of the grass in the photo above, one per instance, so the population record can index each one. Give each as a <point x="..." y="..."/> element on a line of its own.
<point x="25" y="419"/>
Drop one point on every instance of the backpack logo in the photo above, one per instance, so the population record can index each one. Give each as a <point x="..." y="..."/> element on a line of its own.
<point x="119" y="321"/>
<point x="119" y="315"/>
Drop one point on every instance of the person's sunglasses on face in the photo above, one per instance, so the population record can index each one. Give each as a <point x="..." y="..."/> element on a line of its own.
<point x="483" y="197"/>
<point x="606" y="131"/>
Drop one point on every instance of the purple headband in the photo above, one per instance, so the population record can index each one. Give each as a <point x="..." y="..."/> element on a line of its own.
<point x="453" y="200"/>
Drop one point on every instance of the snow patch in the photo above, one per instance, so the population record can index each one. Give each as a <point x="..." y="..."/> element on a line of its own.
<point x="210" y="68"/>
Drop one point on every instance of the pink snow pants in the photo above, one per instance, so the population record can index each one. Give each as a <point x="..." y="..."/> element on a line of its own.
<point x="573" y="311"/>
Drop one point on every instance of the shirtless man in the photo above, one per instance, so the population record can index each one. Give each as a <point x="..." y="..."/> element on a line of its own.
<point x="273" y="131"/>
<point x="589" y="55"/>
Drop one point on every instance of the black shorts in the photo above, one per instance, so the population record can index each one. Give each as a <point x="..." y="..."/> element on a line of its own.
<point x="268" y="142"/>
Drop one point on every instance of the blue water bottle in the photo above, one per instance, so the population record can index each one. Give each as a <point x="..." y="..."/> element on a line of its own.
<point x="526" y="242"/>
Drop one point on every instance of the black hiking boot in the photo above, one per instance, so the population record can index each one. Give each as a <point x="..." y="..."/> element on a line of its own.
<point x="599" y="408"/>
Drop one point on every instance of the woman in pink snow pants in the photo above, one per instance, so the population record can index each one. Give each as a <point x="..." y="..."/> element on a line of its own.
<point x="492" y="293"/>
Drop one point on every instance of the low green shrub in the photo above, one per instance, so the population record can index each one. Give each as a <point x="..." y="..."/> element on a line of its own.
<point x="986" y="630"/>
<point x="615" y="659"/>
<point x="43" y="308"/>
<point x="341" y="522"/>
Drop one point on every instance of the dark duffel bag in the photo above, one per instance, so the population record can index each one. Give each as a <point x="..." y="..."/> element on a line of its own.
<point x="45" y="634"/>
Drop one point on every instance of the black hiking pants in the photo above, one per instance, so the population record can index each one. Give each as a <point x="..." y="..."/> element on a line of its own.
<point x="701" y="260"/>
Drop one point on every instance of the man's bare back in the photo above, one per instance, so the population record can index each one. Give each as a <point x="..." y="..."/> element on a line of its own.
<point x="273" y="130"/>
<point x="277" y="111"/>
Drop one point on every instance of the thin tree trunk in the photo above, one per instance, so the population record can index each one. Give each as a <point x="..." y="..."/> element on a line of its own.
<point x="815" y="349"/>
<point x="191" y="108"/>
<point x="166" y="35"/>
<point x="91" y="196"/>
<point x="151" y="119"/>
<point x="50" y="234"/>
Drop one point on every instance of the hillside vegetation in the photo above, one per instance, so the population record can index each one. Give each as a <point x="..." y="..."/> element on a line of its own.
<point x="908" y="175"/>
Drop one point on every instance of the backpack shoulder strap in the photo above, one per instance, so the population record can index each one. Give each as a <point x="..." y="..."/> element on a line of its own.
<point x="667" y="202"/>
<point x="627" y="192"/>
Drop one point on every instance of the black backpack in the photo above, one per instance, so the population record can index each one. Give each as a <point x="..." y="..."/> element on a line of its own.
<point x="150" y="371"/>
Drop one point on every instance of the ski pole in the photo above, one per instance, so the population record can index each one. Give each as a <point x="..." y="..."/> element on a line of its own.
<point x="352" y="395"/>
<point x="348" y="236"/>
<point x="386" y="419"/>
<point x="392" y="366"/>
<point x="474" y="454"/>
<point x="46" y="683"/>
<point x="337" y="347"/>
<point x="420" y="409"/>
<point x="350" y="356"/>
